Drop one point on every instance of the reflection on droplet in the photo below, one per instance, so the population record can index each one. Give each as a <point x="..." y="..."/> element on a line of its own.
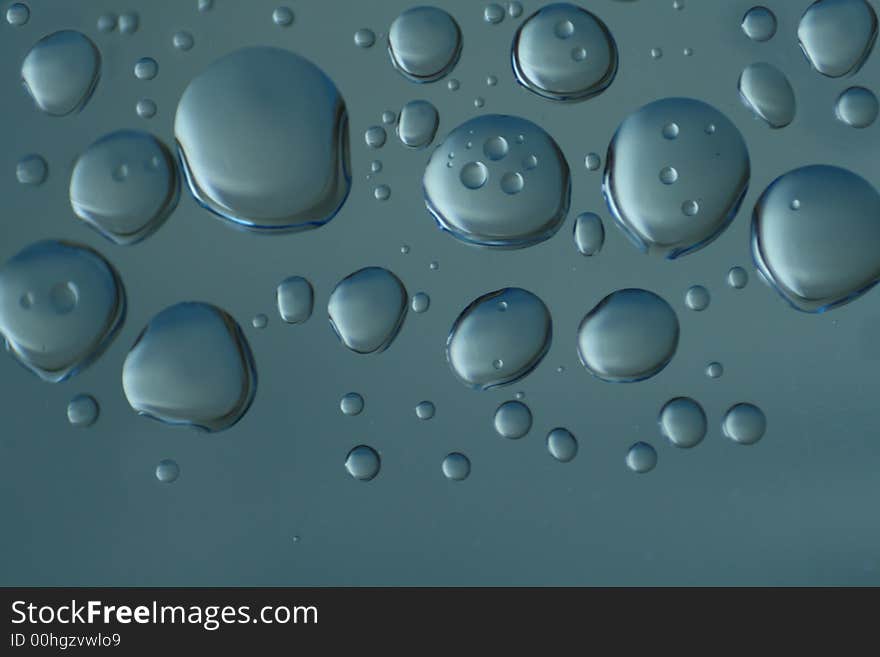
<point x="683" y="422"/>
<point x="363" y="463"/>
<point x="192" y="366"/>
<point x="367" y="309"/>
<point x="641" y="458"/>
<point x="499" y="338"/>
<point x="766" y="91"/>
<point x="60" y="306"/>
<point x="425" y="410"/>
<point x="589" y="233"/>
<point x="295" y="299"/>
<point x="32" y="170"/>
<point x="456" y="466"/>
<point x="737" y="278"/>
<point x="364" y="38"/>
<point x="857" y="107"/>
<point x="630" y="335"/>
<point x="759" y="24"/>
<point x="513" y="420"/>
<point x="418" y="123"/>
<point x="60" y="72"/>
<point x="167" y="471"/>
<point x="562" y="445"/>
<point x="424" y="43"/>
<point x="697" y="298"/>
<point x="82" y="411"/>
<point x="351" y="404"/>
<point x="837" y="35"/>
<point x="744" y="423"/>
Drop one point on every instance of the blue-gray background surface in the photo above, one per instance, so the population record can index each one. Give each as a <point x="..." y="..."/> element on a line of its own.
<point x="83" y="507"/>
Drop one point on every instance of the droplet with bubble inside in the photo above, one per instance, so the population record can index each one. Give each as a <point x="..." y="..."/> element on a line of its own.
<point x="513" y="420"/>
<point x="367" y="309"/>
<point x="424" y="43"/>
<point x="60" y="72"/>
<point x="837" y="35"/>
<point x="294" y="298"/>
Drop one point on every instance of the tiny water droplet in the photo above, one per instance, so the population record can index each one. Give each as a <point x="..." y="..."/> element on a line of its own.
<point x="146" y="68"/>
<point x="282" y="17"/>
<point x="106" y="23"/>
<point x="737" y="278"/>
<point x="129" y="23"/>
<point x="857" y="107"/>
<point x="183" y="41"/>
<point x="18" y="14"/>
<point x="260" y="321"/>
<point x="589" y="233"/>
<point x="759" y="24"/>
<point x="514" y="9"/>
<point x="592" y="161"/>
<point x="364" y="38"/>
<point x="714" y="370"/>
<point x="493" y="13"/>
<point x="656" y="53"/>
<point x="375" y="136"/>
<point x="382" y="192"/>
<point x="420" y="302"/>
<point x="146" y="108"/>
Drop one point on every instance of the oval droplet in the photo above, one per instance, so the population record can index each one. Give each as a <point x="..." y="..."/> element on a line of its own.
<point x="513" y="420"/>
<point x="766" y="91"/>
<point x="683" y="422"/>
<point x="424" y="43"/>
<point x="367" y="309"/>
<point x="589" y="234"/>
<point x="295" y="299"/>
<point x="759" y="24"/>
<point x="60" y="72"/>
<point x="418" y="124"/>
<point x="562" y="445"/>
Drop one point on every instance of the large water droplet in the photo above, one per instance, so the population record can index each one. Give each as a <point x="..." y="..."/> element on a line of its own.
<point x="630" y="335"/>
<point x="191" y="365"/>
<point x="564" y="52"/>
<point x="367" y="309"/>
<point x="167" y="471"/>
<point x="418" y="123"/>
<point x="82" y="411"/>
<point x="857" y="107"/>
<point x="363" y="463"/>
<point x="766" y="91"/>
<point x="641" y="458"/>
<point x="424" y="43"/>
<point x="295" y="299"/>
<point x="124" y="208"/>
<point x="759" y="24"/>
<point x="285" y="165"/>
<point x="562" y="445"/>
<point x="513" y="420"/>
<point x="825" y="253"/>
<point x="60" y="306"/>
<point x="712" y="162"/>
<point x="32" y="170"/>
<point x="470" y="198"/>
<point x="589" y="234"/>
<point x="456" y="466"/>
<point x="744" y="423"/>
<point x="61" y="71"/>
<point x="683" y="422"/>
<point x="499" y="338"/>
<point x="837" y="35"/>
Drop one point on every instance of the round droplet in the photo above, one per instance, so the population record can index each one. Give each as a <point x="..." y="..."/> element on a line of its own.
<point x="656" y="53"/>
<point x="499" y="338"/>
<point x="744" y="423"/>
<point x="737" y="278"/>
<point x="146" y="108"/>
<point x="562" y="445"/>
<point x="630" y="335"/>
<point x="456" y="466"/>
<point x="678" y="5"/>
<point x="425" y="410"/>
<point x="191" y="366"/>
<point x="589" y="233"/>
<point x="434" y="266"/>
<point x="389" y="117"/>
<point x="766" y="91"/>
<point x="60" y="306"/>
<point x="714" y="370"/>
<point x="592" y="161"/>
<point x="375" y="136"/>
<point x="364" y="38"/>
<point x="18" y="14"/>
<point x="418" y="123"/>
<point x="363" y="463"/>
<point x="146" y="68"/>
<point x="827" y="253"/>
<point x="351" y="404"/>
<point x="124" y="186"/>
<point x="713" y="175"/>
<point x="260" y="321"/>
<point x="495" y="215"/>
<point x="543" y="50"/>
<point x="687" y="52"/>
<point x="206" y="5"/>
<point x="424" y="43"/>
<point x="857" y="107"/>
<point x="514" y="9"/>
<point x="129" y="23"/>
<point x="513" y="420"/>
<point x="837" y="35"/>
<point x="367" y="309"/>
<point x="420" y="302"/>
<point x="668" y="175"/>
<point x="285" y="166"/>
<point x="382" y="192"/>
<point x="759" y="24"/>
<point x="641" y="458"/>
<point x="32" y="170"/>
<point x="479" y="101"/>
<point x="376" y="166"/>
<point x="183" y="41"/>
<point x="491" y="80"/>
<point x="106" y="23"/>
<point x="282" y="17"/>
<point x="493" y="13"/>
<point x="82" y="411"/>
<point x="295" y="299"/>
<point x="453" y="85"/>
<point x="61" y="71"/>
<point x="167" y="471"/>
<point x="683" y="422"/>
<point x="697" y="298"/>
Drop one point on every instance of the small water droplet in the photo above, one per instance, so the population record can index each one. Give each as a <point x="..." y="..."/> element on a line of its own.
<point x="167" y="471"/>
<point x="562" y="445"/>
<point x="687" y="52"/>
<point x="106" y="23"/>
<point x="82" y="411"/>
<point x="129" y="23"/>
<point x="363" y="463"/>
<point x="857" y="107"/>
<point x="512" y="182"/>
<point x="367" y="309"/>
<point x="592" y="161"/>
<point x="737" y="278"/>
<point x="260" y="321"/>
<point x="456" y="466"/>
<point x="60" y="72"/>
<point x="418" y="124"/>
<point x="183" y="41"/>
<point x="714" y="370"/>
<point x="434" y="266"/>
<point x="589" y="233"/>
<point x="375" y="136"/>
<point x="697" y="298"/>
<point x="759" y="24"/>
<point x="513" y="420"/>
<point x="420" y="302"/>
<point x="424" y="43"/>
<point x="282" y="16"/>
<point x="656" y="53"/>
<point x="453" y="85"/>
<point x="18" y="14"/>
<point x="364" y="38"/>
<point x="690" y="208"/>
<point x="351" y="404"/>
<point x="382" y="192"/>
<point x="744" y="423"/>
<point x="425" y="410"/>
<point x="146" y="108"/>
<point x="295" y="299"/>
<point x="146" y="68"/>
<point x="493" y="13"/>
<point x="683" y="422"/>
<point x="491" y="80"/>
<point x="206" y="5"/>
<point x="641" y="458"/>
<point x="479" y="102"/>
<point x="514" y="9"/>
<point x="668" y="175"/>
<point x="670" y="131"/>
<point x="32" y="170"/>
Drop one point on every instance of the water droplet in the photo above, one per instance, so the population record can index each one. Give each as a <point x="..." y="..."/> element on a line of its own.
<point x="490" y="216"/>
<point x="106" y="23"/>
<point x="389" y="117"/>
<point x="375" y="166"/>
<point x="493" y="13"/>
<point x="759" y="24"/>
<point x="837" y="35"/>
<point x="697" y="298"/>
<point x="364" y="38"/>
<point x="405" y="249"/>
<point x="827" y="253"/>
<point x="363" y="463"/>
<point x="543" y="48"/>
<point x="491" y="345"/>
<point x="82" y="411"/>
<point x="737" y="278"/>
<point x="295" y="299"/>
<point x="479" y="101"/>
<point x="146" y="68"/>
<point x="420" y="302"/>
<point x="713" y="168"/>
<point x="60" y="72"/>
<point x="167" y="471"/>
<point x="424" y="43"/>
<point x="589" y="234"/>
<point x="418" y="123"/>
<point x="656" y="53"/>
<point x="514" y="9"/>
<point x="641" y="458"/>
<point x="668" y="175"/>
<point x="367" y="309"/>
<point x="630" y="335"/>
<point x="146" y="108"/>
<point x="491" y="80"/>
<point x="857" y="107"/>
<point x="375" y="136"/>
<point x="60" y="306"/>
<point x="129" y="23"/>
<point x="286" y="164"/>
<point x="18" y="14"/>
<point x="456" y="466"/>
<point x="562" y="445"/>
<point x="678" y="4"/>
<point x="683" y="422"/>
<point x="744" y="423"/>
<point x="434" y="266"/>
<point x="124" y="186"/>
<point x="513" y="420"/>
<point x="351" y="404"/>
<point x="32" y="170"/>
<point x="206" y="5"/>
<point x="260" y="321"/>
<point x="687" y="52"/>
<point x="183" y="41"/>
<point x="282" y="17"/>
<point x="425" y="410"/>
<point x="512" y="182"/>
<point x="714" y="370"/>
<point x="766" y="91"/>
<point x="191" y="366"/>
<point x="453" y="85"/>
<point x="592" y="161"/>
<point x="382" y="192"/>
